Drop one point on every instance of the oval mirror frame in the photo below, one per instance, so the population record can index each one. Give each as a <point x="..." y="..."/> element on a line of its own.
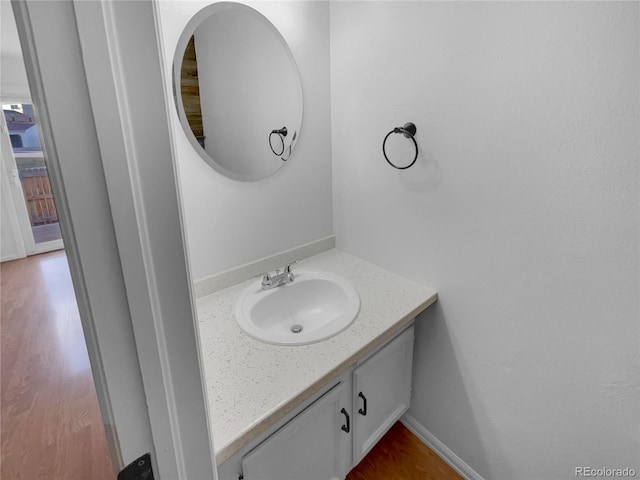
<point x="273" y="135"/>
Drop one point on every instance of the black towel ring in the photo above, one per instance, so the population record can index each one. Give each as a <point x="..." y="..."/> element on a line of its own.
<point x="281" y="133"/>
<point x="408" y="130"/>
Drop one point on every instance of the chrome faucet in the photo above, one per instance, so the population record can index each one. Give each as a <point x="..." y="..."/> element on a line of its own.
<point x="278" y="278"/>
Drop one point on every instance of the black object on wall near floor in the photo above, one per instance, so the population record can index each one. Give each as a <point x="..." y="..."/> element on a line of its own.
<point x="139" y="469"/>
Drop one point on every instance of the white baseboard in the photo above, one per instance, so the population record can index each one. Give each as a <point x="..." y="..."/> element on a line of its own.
<point x="440" y="448"/>
<point x="8" y="258"/>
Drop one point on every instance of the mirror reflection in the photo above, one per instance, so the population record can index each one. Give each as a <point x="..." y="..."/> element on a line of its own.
<point x="239" y="98"/>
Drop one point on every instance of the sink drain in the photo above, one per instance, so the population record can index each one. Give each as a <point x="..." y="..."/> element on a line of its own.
<point x="296" y="328"/>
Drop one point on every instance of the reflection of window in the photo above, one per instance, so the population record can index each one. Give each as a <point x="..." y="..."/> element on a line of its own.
<point x="16" y="140"/>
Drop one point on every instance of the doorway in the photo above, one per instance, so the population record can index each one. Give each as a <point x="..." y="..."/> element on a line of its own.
<point x="51" y="421"/>
<point x="23" y="161"/>
<point x="118" y="223"/>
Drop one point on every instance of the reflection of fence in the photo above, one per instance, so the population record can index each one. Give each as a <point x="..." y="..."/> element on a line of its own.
<point x="37" y="193"/>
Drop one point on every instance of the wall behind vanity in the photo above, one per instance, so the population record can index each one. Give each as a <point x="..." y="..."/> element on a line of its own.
<point x="229" y="223"/>
<point x="522" y="212"/>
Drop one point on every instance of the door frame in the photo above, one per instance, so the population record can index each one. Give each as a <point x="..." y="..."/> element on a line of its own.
<point x="18" y="206"/>
<point x="125" y="242"/>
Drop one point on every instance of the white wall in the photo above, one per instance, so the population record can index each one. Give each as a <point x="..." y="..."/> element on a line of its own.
<point x="10" y="248"/>
<point x="229" y="222"/>
<point x="13" y="77"/>
<point x="522" y="212"/>
<point x="11" y="242"/>
<point x="13" y="86"/>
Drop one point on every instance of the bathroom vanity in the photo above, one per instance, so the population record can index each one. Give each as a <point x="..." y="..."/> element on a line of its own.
<point x="310" y="411"/>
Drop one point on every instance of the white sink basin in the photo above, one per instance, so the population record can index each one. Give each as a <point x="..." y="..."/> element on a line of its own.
<point x="314" y="307"/>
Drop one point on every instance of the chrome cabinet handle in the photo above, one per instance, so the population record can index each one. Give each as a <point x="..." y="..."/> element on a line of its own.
<point x="346" y="428"/>
<point x="363" y="411"/>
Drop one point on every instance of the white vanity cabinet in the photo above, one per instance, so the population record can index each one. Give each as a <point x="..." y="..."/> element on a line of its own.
<point x="331" y="434"/>
<point x="381" y="392"/>
<point x="312" y="446"/>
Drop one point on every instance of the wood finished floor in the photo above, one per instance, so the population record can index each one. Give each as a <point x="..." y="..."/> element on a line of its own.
<point x="50" y="424"/>
<point x="400" y="455"/>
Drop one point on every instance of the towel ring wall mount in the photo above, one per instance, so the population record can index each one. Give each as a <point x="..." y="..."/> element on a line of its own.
<point x="408" y="130"/>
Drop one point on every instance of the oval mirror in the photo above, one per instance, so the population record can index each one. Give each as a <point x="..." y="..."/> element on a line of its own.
<point x="237" y="91"/>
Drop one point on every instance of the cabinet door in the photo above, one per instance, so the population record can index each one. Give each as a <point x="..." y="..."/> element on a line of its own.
<point x="382" y="391"/>
<point x="315" y="445"/>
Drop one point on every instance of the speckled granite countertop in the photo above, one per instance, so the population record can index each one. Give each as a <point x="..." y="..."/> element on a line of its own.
<point x="252" y="385"/>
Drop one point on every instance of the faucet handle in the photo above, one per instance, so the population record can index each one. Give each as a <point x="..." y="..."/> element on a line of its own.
<point x="266" y="278"/>
<point x="287" y="269"/>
